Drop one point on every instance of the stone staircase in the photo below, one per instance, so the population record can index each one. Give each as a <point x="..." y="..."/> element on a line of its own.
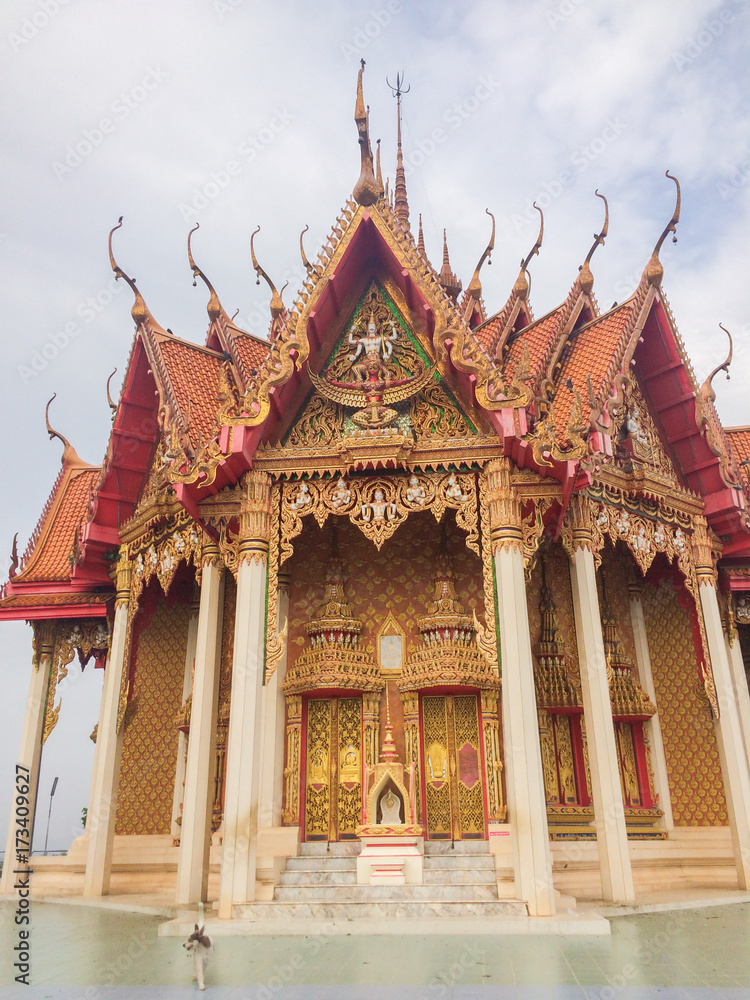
<point x="321" y="883"/>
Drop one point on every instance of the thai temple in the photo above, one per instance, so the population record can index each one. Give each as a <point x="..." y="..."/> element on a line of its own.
<point x="416" y="607"/>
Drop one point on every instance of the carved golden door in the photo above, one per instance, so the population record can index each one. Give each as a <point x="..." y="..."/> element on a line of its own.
<point x="452" y="768"/>
<point x="333" y="778"/>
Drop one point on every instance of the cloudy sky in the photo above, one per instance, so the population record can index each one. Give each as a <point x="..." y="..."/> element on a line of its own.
<point x="237" y="113"/>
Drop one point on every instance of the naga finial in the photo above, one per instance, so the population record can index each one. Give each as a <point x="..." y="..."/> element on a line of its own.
<point x="475" y="285"/>
<point x="707" y="390"/>
<point x="277" y="306"/>
<point x="13" y="558"/>
<point x="586" y="278"/>
<point x="69" y="456"/>
<point x="654" y="270"/>
<point x="366" y="190"/>
<point x="112" y="403"/>
<point x="522" y="287"/>
<point x="214" y="307"/>
<point x="310" y="268"/>
<point x="139" y="310"/>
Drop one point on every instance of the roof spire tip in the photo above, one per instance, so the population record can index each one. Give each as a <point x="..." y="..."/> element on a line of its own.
<point x="654" y="269"/>
<point x="214" y="307"/>
<point x="277" y="306"/>
<point x="69" y="455"/>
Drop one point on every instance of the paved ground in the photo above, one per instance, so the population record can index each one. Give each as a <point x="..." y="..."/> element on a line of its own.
<point x="85" y="953"/>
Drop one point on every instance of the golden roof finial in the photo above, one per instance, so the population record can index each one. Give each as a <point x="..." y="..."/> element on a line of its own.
<point x="214" y="307"/>
<point x="388" y="750"/>
<point x="586" y="278"/>
<point x="447" y="278"/>
<point x="366" y="190"/>
<point x="310" y="268"/>
<point x="654" y="270"/>
<point x="69" y="456"/>
<point x="475" y="285"/>
<point x="401" y="203"/>
<point x="522" y="287"/>
<point x="707" y="390"/>
<point x="378" y="168"/>
<point x="277" y="306"/>
<point x="13" y="571"/>
<point x="112" y="403"/>
<point x="139" y="311"/>
<point x="420" y="239"/>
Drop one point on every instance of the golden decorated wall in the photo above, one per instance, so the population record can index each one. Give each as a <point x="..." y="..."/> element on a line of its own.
<point x="692" y="756"/>
<point x="149" y="748"/>
<point x="557" y="569"/>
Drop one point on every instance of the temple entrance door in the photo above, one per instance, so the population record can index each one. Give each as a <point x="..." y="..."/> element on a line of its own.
<point x="452" y="768"/>
<point x="333" y="779"/>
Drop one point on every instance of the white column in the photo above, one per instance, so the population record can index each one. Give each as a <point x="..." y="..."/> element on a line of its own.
<point x="527" y="806"/>
<point x="739" y="683"/>
<point x="734" y="767"/>
<point x="609" y="813"/>
<point x="100" y="819"/>
<point x="195" y="840"/>
<point x="242" y="789"/>
<point x="273" y="735"/>
<point x="652" y="727"/>
<point x="30" y="752"/>
<point x="182" y="740"/>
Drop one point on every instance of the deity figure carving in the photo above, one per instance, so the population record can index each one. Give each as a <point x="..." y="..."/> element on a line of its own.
<point x="415" y="492"/>
<point x="376" y="347"/>
<point x="378" y="509"/>
<point x="303" y="498"/>
<point x="453" y="491"/>
<point x="342" y="495"/>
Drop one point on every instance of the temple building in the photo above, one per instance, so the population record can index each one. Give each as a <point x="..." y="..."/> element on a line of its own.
<point x="412" y="602"/>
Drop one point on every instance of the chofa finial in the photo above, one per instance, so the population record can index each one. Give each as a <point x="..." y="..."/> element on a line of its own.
<point x="654" y="270"/>
<point x="69" y="456"/>
<point x="366" y="190"/>
<point x="586" y="278"/>
<point x="707" y="390"/>
<point x="139" y="311"/>
<point x="112" y="403"/>
<point x="277" y="306"/>
<point x="522" y="287"/>
<point x="475" y="285"/>
<point x="214" y="307"/>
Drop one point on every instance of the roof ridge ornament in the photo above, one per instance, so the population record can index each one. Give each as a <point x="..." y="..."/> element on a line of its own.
<point x="420" y="239"/>
<point x="277" y="306"/>
<point x="586" y="278"/>
<point x="139" y="311"/>
<point x="112" y="403"/>
<point x="214" y="307"/>
<point x="70" y="455"/>
<point x="447" y="276"/>
<point x="707" y="390"/>
<point x="401" y="203"/>
<point x="13" y="571"/>
<point x="654" y="270"/>
<point x="310" y="268"/>
<point x="366" y="190"/>
<point x="475" y="285"/>
<point x="522" y="287"/>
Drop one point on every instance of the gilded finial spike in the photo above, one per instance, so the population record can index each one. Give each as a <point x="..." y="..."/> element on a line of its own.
<point x="69" y="456"/>
<point x="214" y="307"/>
<point x="139" y="310"/>
<point x="112" y="403"/>
<point x="420" y="238"/>
<point x="366" y="190"/>
<point x="586" y="278"/>
<point x="277" y="306"/>
<point x="378" y="168"/>
<point x="475" y="285"/>
<point x="522" y="287"/>
<point x="401" y="202"/>
<point x="310" y="268"/>
<point x="13" y="558"/>
<point x="707" y="390"/>
<point x="654" y="269"/>
<point x="447" y="278"/>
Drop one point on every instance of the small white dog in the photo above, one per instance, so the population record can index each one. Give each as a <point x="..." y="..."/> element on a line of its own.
<point x="200" y="945"/>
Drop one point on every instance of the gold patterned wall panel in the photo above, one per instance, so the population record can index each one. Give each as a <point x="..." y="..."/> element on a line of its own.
<point x="695" y="781"/>
<point x="333" y="782"/>
<point x="397" y="578"/>
<point x="557" y="566"/>
<point x="320" y="736"/>
<point x="149" y="748"/>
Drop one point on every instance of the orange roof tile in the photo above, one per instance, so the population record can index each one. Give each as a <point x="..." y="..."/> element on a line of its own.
<point x="194" y="376"/>
<point x="594" y="349"/>
<point x="252" y="352"/>
<point x="49" y="559"/>
<point x="536" y="337"/>
<point x="740" y="441"/>
<point x="486" y="333"/>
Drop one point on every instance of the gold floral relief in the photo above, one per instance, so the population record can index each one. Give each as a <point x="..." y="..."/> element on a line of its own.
<point x="149" y="749"/>
<point x="692" y="757"/>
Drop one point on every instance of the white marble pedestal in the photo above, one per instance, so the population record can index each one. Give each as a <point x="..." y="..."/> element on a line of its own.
<point x="386" y="859"/>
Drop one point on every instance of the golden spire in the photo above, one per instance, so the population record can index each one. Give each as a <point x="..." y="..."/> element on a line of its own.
<point x="378" y="169"/>
<point x="277" y="306"/>
<point x="140" y="310"/>
<point x="447" y="278"/>
<point x="401" y="204"/>
<point x="69" y="456"/>
<point x="586" y="278"/>
<point x="366" y="190"/>
<point x="521" y="287"/>
<point x="388" y="750"/>
<point x="420" y="239"/>
<point x="214" y="307"/>
<point x="475" y="285"/>
<point x="112" y="403"/>
<point x="654" y="271"/>
<point x="707" y="390"/>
